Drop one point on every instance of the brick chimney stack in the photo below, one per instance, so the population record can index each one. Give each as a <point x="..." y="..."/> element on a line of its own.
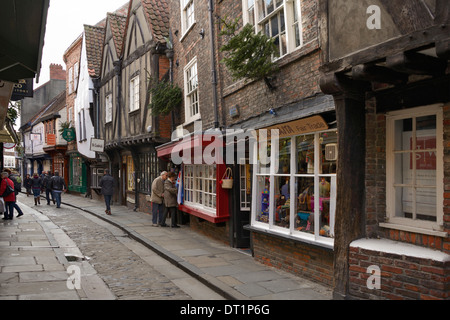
<point x="57" y="72"/>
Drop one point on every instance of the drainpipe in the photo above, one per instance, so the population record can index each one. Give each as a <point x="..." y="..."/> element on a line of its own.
<point x="213" y="64"/>
<point x="118" y="72"/>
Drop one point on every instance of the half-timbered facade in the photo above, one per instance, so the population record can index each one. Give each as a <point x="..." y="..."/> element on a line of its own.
<point x="130" y="130"/>
<point x="386" y="64"/>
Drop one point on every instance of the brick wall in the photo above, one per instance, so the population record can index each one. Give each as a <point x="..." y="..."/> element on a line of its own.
<point x="218" y="231"/>
<point x="57" y="72"/>
<point x="303" y="260"/>
<point x="402" y="277"/>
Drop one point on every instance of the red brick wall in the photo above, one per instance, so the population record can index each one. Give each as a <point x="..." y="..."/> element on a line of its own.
<point x="57" y="72"/>
<point x="303" y="260"/>
<point x="402" y="277"/>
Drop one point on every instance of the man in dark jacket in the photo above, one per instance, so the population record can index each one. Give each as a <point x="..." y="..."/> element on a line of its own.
<point x="107" y="185"/>
<point x="46" y="184"/>
<point x="57" y="185"/>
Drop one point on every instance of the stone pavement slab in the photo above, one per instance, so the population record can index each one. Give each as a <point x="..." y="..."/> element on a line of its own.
<point x="33" y="265"/>
<point x="228" y="271"/>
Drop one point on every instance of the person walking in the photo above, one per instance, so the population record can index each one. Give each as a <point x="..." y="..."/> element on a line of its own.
<point x="107" y="187"/>
<point x="27" y="184"/>
<point x="57" y="185"/>
<point x="17" y="180"/>
<point x="157" y="200"/>
<point x="170" y="199"/>
<point x="48" y="190"/>
<point x="36" y="186"/>
<point x="9" y="198"/>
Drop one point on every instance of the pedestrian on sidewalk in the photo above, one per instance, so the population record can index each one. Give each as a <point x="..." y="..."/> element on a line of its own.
<point x="27" y="184"/>
<point x="46" y="186"/>
<point x="157" y="200"/>
<point x="107" y="185"/>
<point x="58" y="186"/>
<point x="15" y="178"/>
<point x="170" y="199"/>
<point x="9" y="198"/>
<point x="36" y="186"/>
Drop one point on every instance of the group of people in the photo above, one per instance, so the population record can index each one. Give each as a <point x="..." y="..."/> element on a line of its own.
<point x="53" y="185"/>
<point x="164" y="199"/>
<point x="163" y="196"/>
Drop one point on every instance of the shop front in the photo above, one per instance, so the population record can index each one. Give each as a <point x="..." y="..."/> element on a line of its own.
<point x="199" y="160"/>
<point x="294" y="197"/>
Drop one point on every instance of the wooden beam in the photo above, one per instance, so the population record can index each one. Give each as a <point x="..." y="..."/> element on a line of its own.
<point x="416" y="63"/>
<point x="374" y="73"/>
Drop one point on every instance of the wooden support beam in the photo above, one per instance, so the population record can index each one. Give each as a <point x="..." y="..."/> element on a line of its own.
<point x="416" y="63"/>
<point x="374" y="73"/>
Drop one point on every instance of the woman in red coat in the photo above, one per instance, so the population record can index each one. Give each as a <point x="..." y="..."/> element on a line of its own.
<point x="9" y="199"/>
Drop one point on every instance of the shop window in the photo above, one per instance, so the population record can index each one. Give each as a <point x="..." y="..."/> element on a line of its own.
<point x="278" y="19"/>
<point x="414" y="171"/>
<point x="295" y="192"/>
<point x="148" y="165"/>
<point x="200" y="186"/>
<point x="130" y="174"/>
<point x="97" y="175"/>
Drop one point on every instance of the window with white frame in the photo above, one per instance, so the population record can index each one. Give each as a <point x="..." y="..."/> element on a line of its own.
<point x="70" y="80"/>
<point x="245" y="184"/>
<point x="134" y="94"/>
<point x="278" y="19"/>
<point x="192" y="108"/>
<point x="294" y="186"/>
<point x="187" y="15"/>
<point x="414" y="167"/>
<point x="200" y="186"/>
<point x="108" y="108"/>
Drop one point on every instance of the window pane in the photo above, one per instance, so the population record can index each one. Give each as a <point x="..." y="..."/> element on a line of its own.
<point x="403" y="134"/>
<point x="284" y="156"/>
<point x="263" y="199"/>
<point x="404" y="202"/>
<point x="305" y="154"/>
<point x="325" y="206"/>
<point x="426" y="204"/>
<point x="282" y="202"/>
<point x="328" y="143"/>
<point x="304" y="203"/>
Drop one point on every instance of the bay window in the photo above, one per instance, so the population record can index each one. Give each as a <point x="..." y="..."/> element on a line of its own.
<point x="295" y="191"/>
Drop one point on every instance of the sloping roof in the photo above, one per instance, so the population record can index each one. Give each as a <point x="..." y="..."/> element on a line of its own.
<point x="117" y="23"/>
<point x="94" y="37"/>
<point x="157" y="13"/>
<point x="53" y="106"/>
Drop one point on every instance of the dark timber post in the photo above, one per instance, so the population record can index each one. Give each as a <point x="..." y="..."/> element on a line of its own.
<point x="349" y="97"/>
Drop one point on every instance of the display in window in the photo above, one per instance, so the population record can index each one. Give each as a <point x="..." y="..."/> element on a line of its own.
<point x="263" y="211"/>
<point x="305" y="154"/>
<point x="283" y="202"/>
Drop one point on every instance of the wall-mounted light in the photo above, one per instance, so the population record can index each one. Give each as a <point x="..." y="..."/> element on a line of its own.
<point x="272" y="112"/>
<point x="202" y="33"/>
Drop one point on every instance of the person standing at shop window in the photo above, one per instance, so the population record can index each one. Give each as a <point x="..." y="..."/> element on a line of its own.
<point x="170" y="199"/>
<point x="157" y="200"/>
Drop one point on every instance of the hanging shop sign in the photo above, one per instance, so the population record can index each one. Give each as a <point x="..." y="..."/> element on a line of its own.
<point x="69" y="134"/>
<point x="97" y="145"/>
<point x="22" y="89"/>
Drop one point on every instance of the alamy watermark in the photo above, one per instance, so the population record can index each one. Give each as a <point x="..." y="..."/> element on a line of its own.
<point x="74" y="280"/>
<point x="374" y="21"/>
<point x="374" y="280"/>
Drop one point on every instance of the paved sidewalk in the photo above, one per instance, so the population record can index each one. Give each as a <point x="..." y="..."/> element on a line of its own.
<point x="228" y="271"/>
<point x="33" y="262"/>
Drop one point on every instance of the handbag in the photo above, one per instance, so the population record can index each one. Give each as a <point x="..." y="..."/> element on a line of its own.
<point x="8" y="190"/>
<point x="227" y="179"/>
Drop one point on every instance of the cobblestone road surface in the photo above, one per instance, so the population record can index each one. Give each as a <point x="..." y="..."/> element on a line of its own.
<point x="109" y="251"/>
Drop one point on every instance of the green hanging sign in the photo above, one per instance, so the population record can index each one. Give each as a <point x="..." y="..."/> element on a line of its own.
<point x="69" y="134"/>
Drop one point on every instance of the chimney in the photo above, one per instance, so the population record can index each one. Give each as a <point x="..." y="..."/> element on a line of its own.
<point x="57" y="72"/>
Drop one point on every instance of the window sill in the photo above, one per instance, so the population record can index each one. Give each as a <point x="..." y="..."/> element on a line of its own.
<point x="306" y="239"/>
<point x="414" y="229"/>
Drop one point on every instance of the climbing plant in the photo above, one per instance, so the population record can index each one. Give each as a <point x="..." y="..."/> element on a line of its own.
<point x="165" y="97"/>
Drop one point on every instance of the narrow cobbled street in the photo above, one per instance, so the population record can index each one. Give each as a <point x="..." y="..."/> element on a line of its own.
<point x="122" y="263"/>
